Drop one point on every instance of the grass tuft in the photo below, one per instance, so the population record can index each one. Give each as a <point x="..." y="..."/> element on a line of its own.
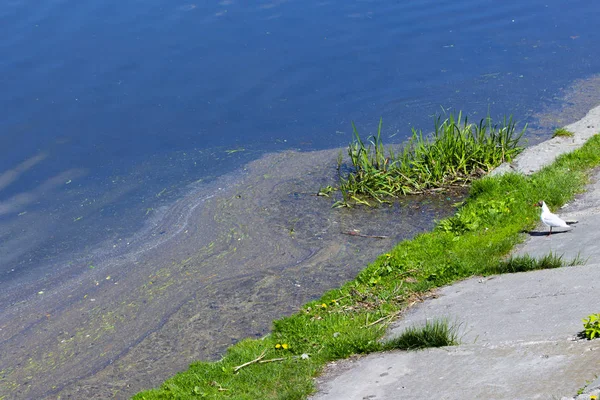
<point x="562" y="132"/>
<point x="436" y="333"/>
<point x="456" y="153"/>
<point x="525" y="263"/>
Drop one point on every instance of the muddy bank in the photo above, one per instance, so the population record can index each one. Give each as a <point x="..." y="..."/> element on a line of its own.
<point x="216" y="267"/>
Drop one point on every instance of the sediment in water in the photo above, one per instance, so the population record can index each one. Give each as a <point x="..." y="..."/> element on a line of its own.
<point x="218" y="266"/>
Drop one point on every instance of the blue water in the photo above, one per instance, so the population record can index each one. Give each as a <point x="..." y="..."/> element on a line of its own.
<point x="109" y="108"/>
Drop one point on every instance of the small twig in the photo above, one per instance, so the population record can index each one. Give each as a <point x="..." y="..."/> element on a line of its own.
<point x="236" y="369"/>
<point x="353" y="233"/>
<point x="392" y="315"/>
<point x="272" y="360"/>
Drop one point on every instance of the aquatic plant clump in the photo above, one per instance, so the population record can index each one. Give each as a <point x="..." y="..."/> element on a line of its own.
<point x="456" y="153"/>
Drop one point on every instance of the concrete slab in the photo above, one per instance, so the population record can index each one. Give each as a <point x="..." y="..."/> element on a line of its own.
<point x="531" y="370"/>
<point x="519" y="341"/>
<point x="543" y="305"/>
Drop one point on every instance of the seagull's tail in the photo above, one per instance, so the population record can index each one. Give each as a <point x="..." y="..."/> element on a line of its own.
<point x="571" y="222"/>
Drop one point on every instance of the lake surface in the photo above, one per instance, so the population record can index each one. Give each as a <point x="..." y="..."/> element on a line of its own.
<point x="109" y="109"/>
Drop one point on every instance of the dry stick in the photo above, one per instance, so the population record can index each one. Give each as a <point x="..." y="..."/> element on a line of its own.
<point x="352" y="233"/>
<point x="392" y="315"/>
<point x="236" y="369"/>
<point x="272" y="360"/>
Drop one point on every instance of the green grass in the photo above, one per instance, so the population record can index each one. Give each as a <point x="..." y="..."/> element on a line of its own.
<point x="456" y="153"/>
<point x="525" y="263"/>
<point x="436" y="333"/>
<point x="353" y="319"/>
<point x="591" y="326"/>
<point x="562" y="132"/>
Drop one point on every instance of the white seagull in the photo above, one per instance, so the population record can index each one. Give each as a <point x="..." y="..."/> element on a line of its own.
<point x="549" y="219"/>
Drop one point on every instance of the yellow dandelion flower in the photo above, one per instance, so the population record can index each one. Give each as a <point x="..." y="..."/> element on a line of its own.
<point x="324" y="305"/>
<point x="285" y="346"/>
<point x="277" y="346"/>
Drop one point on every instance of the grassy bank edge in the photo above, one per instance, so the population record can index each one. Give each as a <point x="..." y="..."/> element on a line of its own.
<point x="353" y="319"/>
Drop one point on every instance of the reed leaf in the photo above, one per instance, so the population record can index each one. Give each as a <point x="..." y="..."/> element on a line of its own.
<point x="454" y="154"/>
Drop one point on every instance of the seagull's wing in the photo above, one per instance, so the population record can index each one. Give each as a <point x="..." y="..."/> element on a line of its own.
<point x="554" y="220"/>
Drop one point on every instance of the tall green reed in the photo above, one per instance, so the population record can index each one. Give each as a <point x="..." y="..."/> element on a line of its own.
<point x="454" y="154"/>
